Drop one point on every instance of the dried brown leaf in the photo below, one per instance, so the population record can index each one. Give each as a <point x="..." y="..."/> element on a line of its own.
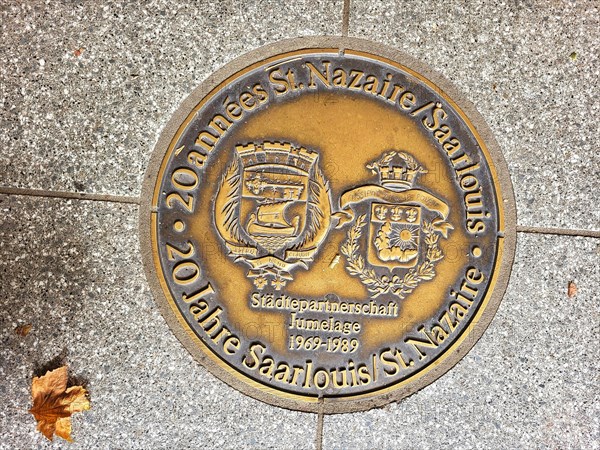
<point x="571" y="289"/>
<point x="53" y="403"/>
<point x="23" y="330"/>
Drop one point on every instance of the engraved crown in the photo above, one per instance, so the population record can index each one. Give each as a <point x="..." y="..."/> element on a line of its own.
<point x="397" y="170"/>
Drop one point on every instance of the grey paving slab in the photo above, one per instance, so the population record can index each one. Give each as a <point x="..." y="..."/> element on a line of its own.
<point x="530" y="382"/>
<point x="532" y="69"/>
<point x="85" y="87"/>
<point x="72" y="269"/>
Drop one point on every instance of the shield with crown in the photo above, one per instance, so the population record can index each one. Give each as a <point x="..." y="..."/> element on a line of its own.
<point x="400" y="246"/>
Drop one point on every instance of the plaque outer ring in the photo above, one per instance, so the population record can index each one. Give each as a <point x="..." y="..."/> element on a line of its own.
<point x="458" y="349"/>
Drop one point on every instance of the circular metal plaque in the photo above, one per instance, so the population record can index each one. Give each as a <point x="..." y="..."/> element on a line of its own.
<point x="326" y="225"/>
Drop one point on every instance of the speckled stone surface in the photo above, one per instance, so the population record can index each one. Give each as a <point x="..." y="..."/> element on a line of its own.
<point x="73" y="270"/>
<point x="530" y="382"/>
<point x="85" y="87"/>
<point x="532" y="69"/>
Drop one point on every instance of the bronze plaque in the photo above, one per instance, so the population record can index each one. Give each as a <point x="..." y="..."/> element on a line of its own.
<point x="327" y="225"/>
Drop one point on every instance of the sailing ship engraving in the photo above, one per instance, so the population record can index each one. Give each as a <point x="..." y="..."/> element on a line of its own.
<point x="269" y="218"/>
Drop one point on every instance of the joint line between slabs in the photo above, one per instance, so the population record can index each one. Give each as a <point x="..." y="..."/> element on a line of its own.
<point x="345" y="18"/>
<point x="558" y="231"/>
<point x="70" y="195"/>
<point x="136" y="201"/>
<point x="320" y="419"/>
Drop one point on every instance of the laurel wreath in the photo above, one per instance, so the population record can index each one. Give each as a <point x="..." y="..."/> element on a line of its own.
<point x="379" y="285"/>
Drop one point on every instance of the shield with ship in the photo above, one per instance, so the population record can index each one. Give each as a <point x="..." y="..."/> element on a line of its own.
<point x="273" y="205"/>
<point x="273" y="210"/>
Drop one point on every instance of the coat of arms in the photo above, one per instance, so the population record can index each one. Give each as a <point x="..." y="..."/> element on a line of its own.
<point x="400" y="226"/>
<point x="273" y="210"/>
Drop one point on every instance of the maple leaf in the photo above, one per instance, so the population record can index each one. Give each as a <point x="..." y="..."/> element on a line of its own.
<point x="53" y="403"/>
